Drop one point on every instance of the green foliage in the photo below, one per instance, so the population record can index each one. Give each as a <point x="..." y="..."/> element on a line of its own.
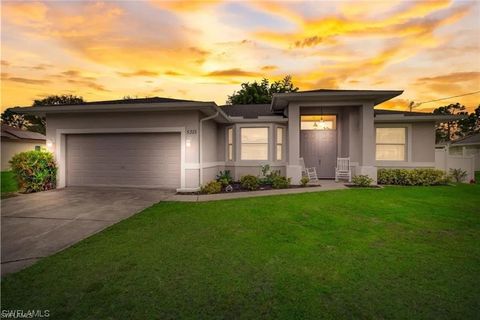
<point x="412" y="177"/>
<point x="256" y="93"/>
<point x="280" y="182"/>
<point x="211" y="187"/>
<point x="224" y="177"/>
<point x="250" y="182"/>
<point x="34" y="123"/>
<point x="268" y="175"/>
<point x="304" y="180"/>
<point x="9" y="183"/>
<point x="34" y="170"/>
<point x="362" y="180"/>
<point x="458" y="175"/>
<point x="447" y="131"/>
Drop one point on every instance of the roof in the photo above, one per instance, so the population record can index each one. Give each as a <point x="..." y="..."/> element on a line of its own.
<point x="382" y="115"/>
<point x="405" y="113"/>
<point x="19" y="134"/>
<point x="348" y="97"/>
<point x="134" y="101"/>
<point x="469" y="140"/>
<point x="249" y="111"/>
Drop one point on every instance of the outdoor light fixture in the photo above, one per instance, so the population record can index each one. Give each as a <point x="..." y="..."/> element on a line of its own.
<point x="49" y="143"/>
<point x="188" y="143"/>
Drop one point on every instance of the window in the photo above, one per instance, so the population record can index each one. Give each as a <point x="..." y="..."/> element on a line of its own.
<point x="230" y="144"/>
<point x="391" y="144"/>
<point x="254" y="143"/>
<point x="38" y="148"/>
<point x="279" y="156"/>
<point x="318" y="122"/>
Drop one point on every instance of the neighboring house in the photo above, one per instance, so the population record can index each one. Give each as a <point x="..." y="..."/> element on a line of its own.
<point x="171" y="143"/>
<point x="15" y="140"/>
<point x="467" y="146"/>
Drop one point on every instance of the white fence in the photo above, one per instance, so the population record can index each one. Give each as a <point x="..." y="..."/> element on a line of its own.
<point x="445" y="161"/>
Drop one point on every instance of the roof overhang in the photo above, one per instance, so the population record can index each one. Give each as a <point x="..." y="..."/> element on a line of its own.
<point x="426" y="118"/>
<point x="208" y="108"/>
<point x="281" y="100"/>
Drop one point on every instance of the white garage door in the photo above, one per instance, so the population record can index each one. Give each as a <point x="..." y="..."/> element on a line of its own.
<point x="124" y="159"/>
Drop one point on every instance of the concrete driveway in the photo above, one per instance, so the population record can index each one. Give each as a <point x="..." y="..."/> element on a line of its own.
<point x="40" y="224"/>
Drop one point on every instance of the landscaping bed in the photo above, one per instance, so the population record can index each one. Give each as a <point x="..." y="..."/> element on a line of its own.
<point x="237" y="187"/>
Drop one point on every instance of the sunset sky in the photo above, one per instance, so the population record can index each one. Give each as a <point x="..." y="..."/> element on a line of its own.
<point x="203" y="50"/>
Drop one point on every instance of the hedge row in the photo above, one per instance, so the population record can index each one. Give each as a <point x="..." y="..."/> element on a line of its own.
<point x="412" y="177"/>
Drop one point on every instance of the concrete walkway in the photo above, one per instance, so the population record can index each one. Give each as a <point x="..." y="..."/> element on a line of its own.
<point x="39" y="224"/>
<point x="325" y="185"/>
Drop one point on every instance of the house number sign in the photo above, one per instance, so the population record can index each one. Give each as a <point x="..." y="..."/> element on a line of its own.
<point x="191" y="131"/>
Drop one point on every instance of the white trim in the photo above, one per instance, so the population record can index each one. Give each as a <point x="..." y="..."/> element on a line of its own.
<point x="408" y="141"/>
<point x="404" y="164"/>
<point x="196" y="166"/>
<point x="61" y="146"/>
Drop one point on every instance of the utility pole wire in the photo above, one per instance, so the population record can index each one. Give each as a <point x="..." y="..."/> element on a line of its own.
<point x="415" y="105"/>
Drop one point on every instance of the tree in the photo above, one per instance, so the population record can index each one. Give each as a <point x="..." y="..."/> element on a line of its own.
<point x="35" y="123"/>
<point x="469" y="125"/>
<point x="13" y="119"/>
<point x="261" y="92"/>
<point x="446" y="131"/>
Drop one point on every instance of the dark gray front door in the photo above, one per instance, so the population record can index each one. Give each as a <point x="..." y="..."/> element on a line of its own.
<point x="319" y="149"/>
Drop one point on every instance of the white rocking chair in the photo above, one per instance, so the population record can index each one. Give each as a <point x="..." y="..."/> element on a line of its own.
<point x="311" y="173"/>
<point x="343" y="169"/>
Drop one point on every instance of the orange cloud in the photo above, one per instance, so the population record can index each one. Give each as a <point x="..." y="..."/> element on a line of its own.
<point x="138" y="73"/>
<point x="184" y="5"/>
<point x="454" y="77"/>
<point x="269" y="68"/>
<point x="233" y="73"/>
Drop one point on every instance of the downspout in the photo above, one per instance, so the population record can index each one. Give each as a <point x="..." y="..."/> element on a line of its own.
<point x="200" y="145"/>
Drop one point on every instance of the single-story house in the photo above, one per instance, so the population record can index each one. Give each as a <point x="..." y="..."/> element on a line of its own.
<point x="467" y="146"/>
<point x="181" y="144"/>
<point x="15" y="140"/>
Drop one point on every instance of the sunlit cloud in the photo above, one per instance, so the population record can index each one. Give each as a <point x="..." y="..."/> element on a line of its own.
<point x="203" y="50"/>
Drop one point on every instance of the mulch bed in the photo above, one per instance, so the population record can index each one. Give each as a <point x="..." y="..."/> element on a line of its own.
<point x="237" y="187"/>
<point x="368" y="187"/>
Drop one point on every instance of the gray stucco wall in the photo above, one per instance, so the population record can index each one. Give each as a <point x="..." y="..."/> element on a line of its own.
<point x="423" y="142"/>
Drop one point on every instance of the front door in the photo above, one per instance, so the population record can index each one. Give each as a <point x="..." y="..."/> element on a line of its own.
<point x="319" y="149"/>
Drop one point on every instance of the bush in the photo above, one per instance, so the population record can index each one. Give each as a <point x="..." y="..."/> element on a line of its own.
<point x="362" y="180"/>
<point x="304" y="181"/>
<point x="458" y="175"/>
<point x="268" y="175"/>
<point x="34" y="170"/>
<point x="224" y="177"/>
<point x="412" y="177"/>
<point x="250" y="182"/>
<point x="211" y="187"/>
<point x="280" y="182"/>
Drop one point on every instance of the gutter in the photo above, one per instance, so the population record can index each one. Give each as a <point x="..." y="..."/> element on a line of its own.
<point x="200" y="144"/>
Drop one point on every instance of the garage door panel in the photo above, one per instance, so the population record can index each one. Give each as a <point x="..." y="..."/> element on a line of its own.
<point x="133" y="159"/>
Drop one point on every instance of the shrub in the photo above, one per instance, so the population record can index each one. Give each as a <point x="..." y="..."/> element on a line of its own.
<point x="362" y="180"/>
<point x="412" y="177"/>
<point x="250" y="182"/>
<point x="268" y="175"/>
<point x="211" y="187"/>
<point x="280" y="182"/>
<point x="224" y="177"/>
<point x="458" y="175"/>
<point x="34" y="170"/>
<point x="304" y="181"/>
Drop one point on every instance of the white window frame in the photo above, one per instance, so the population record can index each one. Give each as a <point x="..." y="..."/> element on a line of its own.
<point x="408" y="143"/>
<point x="282" y="143"/>
<point x="228" y="144"/>
<point x="241" y="143"/>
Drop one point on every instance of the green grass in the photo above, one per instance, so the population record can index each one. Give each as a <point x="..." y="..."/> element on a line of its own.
<point x="397" y="253"/>
<point x="9" y="184"/>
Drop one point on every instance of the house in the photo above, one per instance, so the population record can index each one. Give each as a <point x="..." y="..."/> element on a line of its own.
<point x="15" y="140"/>
<point x="467" y="146"/>
<point x="182" y="144"/>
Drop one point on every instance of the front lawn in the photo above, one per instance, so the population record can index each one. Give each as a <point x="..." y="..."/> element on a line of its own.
<point x="9" y="184"/>
<point x="397" y="252"/>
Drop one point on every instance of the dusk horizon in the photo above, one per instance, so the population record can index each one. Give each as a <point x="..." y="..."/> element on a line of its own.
<point x="204" y="50"/>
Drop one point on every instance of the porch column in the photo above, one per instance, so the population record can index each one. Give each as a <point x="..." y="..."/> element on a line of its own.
<point x="367" y="130"/>
<point x="293" y="168"/>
